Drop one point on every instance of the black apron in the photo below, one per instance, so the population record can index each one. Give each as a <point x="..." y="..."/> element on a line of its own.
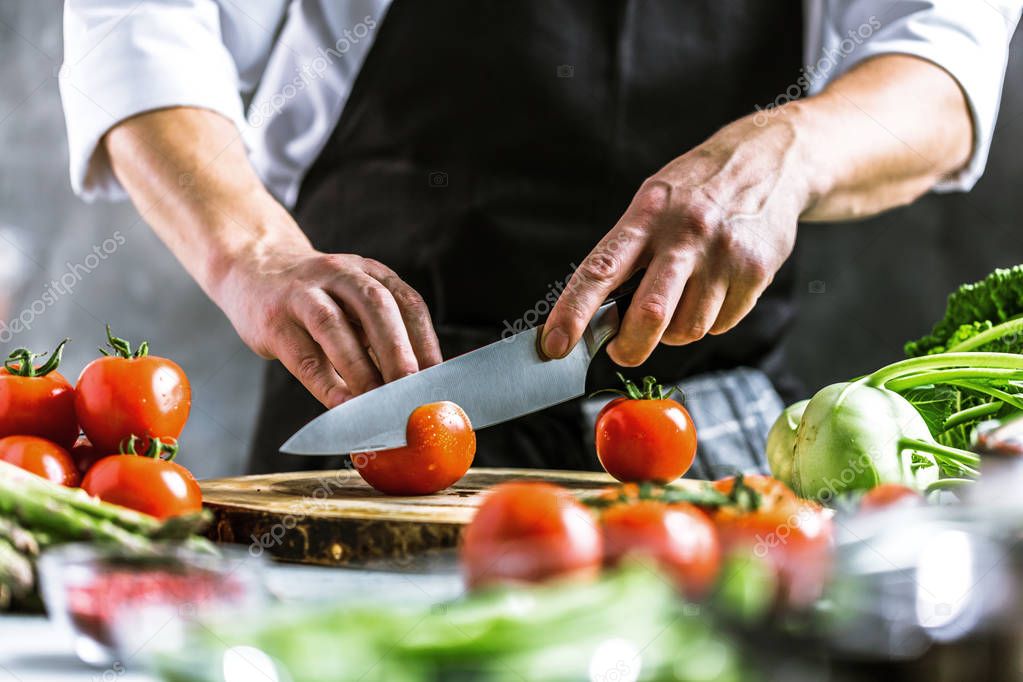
<point x="486" y="147"/>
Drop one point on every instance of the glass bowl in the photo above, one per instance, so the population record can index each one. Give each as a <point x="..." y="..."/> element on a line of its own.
<point x="118" y="602"/>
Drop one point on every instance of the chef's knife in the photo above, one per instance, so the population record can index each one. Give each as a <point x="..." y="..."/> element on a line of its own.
<point x="493" y="384"/>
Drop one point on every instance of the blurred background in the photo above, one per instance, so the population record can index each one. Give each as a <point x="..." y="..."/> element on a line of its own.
<point x="67" y="268"/>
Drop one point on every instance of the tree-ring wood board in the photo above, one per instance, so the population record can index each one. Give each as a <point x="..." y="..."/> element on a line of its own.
<point x="335" y="518"/>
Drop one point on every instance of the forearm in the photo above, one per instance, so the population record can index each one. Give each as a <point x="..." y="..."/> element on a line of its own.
<point x="879" y="137"/>
<point x="341" y="323"/>
<point x="188" y="175"/>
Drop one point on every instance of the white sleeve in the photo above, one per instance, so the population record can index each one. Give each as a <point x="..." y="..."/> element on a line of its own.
<point x="122" y="58"/>
<point x="967" y="38"/>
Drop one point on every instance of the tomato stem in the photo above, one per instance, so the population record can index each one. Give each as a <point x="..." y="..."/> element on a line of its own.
<point x="157" y="448"/>
<point x="122" y="348"/>
<point x="651" y="390"/>
<point x="21" y="361"/>
<point x="742" y="496"/>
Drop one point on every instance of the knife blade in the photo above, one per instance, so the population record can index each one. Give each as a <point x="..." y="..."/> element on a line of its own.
<point x="493" y="384"/>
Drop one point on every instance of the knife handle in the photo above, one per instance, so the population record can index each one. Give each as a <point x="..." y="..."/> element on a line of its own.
<point x="622" y="296"/>
<point x="606" y="320"/>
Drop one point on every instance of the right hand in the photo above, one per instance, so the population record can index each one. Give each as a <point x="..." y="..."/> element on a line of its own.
<point x="341" y="323"/>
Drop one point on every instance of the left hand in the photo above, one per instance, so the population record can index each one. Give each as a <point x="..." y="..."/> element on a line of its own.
<point x="711" y="228"/>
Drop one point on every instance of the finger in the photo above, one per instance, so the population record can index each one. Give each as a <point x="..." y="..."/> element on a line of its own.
<point x="738" y="303"/>
<point x="651" y="310"/>
<point x="379" y="315"/>
<point x="701" y="302"/>
<point x="606" y="267"/>
<point x="305" y="360"/>
<point x="330" y="328"/>
<point x="414" y="312"/>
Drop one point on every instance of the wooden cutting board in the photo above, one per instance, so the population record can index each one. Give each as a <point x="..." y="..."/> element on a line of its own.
<point x="334" y="518"/>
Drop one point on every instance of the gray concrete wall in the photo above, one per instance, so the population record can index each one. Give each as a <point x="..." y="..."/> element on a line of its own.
<point x="138" y="287"/>
<point x="883" y="280"/>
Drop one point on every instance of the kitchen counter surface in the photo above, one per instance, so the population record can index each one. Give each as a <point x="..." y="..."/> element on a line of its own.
<point x="33" y="650"/>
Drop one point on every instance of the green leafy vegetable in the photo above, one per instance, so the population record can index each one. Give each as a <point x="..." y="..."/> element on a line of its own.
<point x="629" y="623"/>
<point x="984" y="315"/>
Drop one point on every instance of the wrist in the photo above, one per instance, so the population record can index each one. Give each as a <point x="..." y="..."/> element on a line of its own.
<point x="813" y="155"/>
<point x="245" y="242"/>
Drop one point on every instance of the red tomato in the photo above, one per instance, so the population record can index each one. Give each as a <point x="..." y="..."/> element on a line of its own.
<point x="441" y="446"/>
<point x="85" y="455"/>
<point x="793" y="535"/>
<point x="528" y="532"/>
<point x="680" y="537"/>
<point x="147" y="484"/>
<point x="40" y="456"/>
<point x="888" y="495"/>
<point x="37" y="401"/>
<point x="131" y="394"/>
<point x="645" y="437"/>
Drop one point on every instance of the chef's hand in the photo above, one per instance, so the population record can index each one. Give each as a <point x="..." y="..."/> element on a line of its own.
<point x="714" y="225"/>
<point x="711" y="228"/>
<point x="340" y="323"/>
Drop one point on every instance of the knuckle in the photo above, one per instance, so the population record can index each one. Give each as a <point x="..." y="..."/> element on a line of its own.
<point x="339" y="261"/>
<point x="272" y="314"/>
<point x="674" y="266"/>
<point x="652" y="309"/>
<point x="323" y="317"/>
<point x="700" y="222"/>
<point x="358" y="364"/>
<point x="600" y="266"/>
<point x="653" y="197"/>
<point x="731" y="242"/>
<point x="308" y="369"/>
<point x="760" y="272"/>
<point x="374" y="294"/>
<point x="701" y="219"/>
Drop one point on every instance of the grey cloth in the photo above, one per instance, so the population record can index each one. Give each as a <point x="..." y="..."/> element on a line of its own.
<point x="733" y="410"/>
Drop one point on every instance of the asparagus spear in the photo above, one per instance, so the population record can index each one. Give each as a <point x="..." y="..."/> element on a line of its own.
<point x="72" y="514"/>
<point x="23" y="540"/>
<point x="15" y="570"/>
<point x="17" y="484"/>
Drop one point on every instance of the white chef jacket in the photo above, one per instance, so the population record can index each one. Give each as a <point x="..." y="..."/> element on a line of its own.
<point x="282" y="70"/>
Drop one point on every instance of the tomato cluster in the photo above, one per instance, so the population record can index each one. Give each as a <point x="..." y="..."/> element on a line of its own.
<point x="535" y="531"/>
<point x="127" y="403"/>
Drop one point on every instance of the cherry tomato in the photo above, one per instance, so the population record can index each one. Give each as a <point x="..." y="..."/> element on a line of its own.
<point x="145" y="483"/>
<point x="680" y="537"/>
<point x="528" y="532"/>
<point x="85" y="455"/>
<point x="441" y="447"/>
<point x="645" y="436"/>
<point x="128" y="393"/>
<point x="37" y="401"/>
<point x="888" y="495"/>
<point x="792" y="535"/>
<point x="40" y="456"/>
